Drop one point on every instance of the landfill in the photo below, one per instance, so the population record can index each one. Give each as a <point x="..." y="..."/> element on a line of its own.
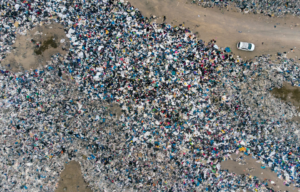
<point x="140" y="105"/>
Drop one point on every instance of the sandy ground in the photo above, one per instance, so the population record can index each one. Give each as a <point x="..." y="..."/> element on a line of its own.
<point x="71" y="179"/>
<point x="253" y="168"/>
<point x="24" y="57"/>
<point x="224" y="26"/>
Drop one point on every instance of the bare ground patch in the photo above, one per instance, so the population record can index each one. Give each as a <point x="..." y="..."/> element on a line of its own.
<point x="71" y="179"/>
<point x="36" y="47"/>
<point x="288" y="93"/>
<point x="249" y="167"/>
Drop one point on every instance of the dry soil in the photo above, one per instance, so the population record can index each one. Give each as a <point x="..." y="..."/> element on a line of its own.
<point x="288" y="93"/>
<point x="27" y="56"/>
<point x="253" y="168"/>
<point x="71" y="179"/>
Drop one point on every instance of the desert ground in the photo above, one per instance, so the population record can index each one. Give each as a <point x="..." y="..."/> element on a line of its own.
<point x="71" y="179"/>
<point x="26" y="55"/>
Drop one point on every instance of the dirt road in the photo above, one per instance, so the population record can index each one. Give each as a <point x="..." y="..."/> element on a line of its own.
<point x="224" y="26"/>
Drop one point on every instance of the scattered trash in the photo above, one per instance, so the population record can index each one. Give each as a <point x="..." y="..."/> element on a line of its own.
<point x="139" y="105"/>
<point x="227" y="49"/>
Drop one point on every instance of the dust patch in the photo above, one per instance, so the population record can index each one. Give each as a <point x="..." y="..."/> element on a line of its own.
<point x="72" y="180"/>
<point x="250" y="167"/>
<point x="288" y="93"/>
<point x="115" y="109"/>
<point x="27" y="55"/>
